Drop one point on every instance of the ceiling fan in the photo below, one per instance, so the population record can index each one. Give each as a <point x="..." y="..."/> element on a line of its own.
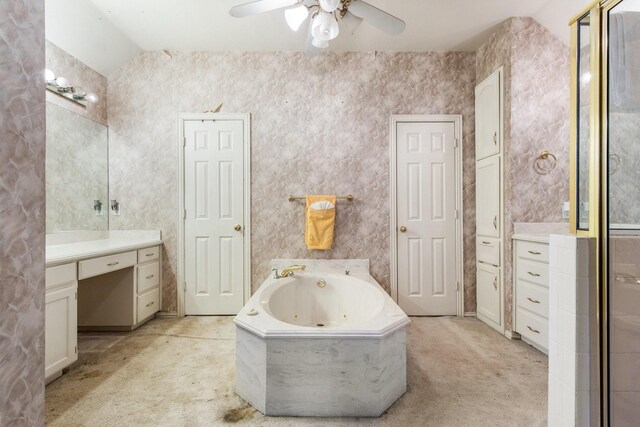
<point x="323" y="16"/>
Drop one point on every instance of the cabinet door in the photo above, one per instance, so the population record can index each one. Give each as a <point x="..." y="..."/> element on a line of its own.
<point x="488" y="193"/>
<point x="61" y="335"/>
<point x="488" y="292"/>
<point x="488" y="112"/>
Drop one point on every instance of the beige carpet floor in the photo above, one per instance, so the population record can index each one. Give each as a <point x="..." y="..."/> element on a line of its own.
<point x="180" y="372"/>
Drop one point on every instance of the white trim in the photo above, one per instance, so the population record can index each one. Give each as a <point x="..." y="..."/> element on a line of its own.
<point x="246" y="118"/>
<point x="166" y="314"/>
<point x="456" y="119"/>
<point x="470" y="314"/>
<point x="512" y="335"/>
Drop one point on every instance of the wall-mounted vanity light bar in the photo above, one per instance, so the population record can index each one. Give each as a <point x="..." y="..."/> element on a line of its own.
<point x="62" y="87"/>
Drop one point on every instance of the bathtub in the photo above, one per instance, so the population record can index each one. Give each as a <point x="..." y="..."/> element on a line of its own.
<point x="328" y="341"/>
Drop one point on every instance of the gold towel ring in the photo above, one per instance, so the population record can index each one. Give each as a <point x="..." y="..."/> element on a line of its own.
<point x="545" y="162"/>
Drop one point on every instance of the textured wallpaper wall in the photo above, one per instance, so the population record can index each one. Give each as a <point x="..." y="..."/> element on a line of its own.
<point x="78" y="74"/>
<point x="319" y="125"/>
<point x="536" y="118"/>
<point x="22" y="206"/>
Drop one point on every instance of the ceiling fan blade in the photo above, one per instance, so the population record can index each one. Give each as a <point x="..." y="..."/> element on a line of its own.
<point x="352" y="21"/>
<point x="377" y="17"/>
<point x="310" y="49"/>
<point x="259" y="6"/>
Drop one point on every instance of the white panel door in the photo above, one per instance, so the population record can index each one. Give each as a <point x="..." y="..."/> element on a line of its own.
<point x="488" y="197"/>
<point x="488" y="293"/>
<point x="488" y="116"/>
<point x="214" y="204"/>
<point x="426" y="210"/>
<point x="61" y="328"/>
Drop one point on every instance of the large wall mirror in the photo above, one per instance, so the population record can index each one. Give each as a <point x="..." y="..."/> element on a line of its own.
<point x="77" y="168"/>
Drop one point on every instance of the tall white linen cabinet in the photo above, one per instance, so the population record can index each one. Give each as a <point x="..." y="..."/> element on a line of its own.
<point x="490" y="201"/>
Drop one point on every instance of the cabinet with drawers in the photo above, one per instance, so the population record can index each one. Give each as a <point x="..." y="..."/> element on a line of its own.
<point x="531" y="291"/>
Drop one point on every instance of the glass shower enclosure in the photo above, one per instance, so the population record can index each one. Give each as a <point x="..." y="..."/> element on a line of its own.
<point x="606" y="189"/>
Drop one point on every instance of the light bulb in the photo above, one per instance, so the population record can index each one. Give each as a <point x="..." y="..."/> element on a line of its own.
<point x="62" y="82"/>
<point x="92" y="98"/>
<point x="78" y="92"/>
<point x="329" y="5"/>
<point x="296" y="16"/>
<point x="324" y="26"/>
<point x="320" y="44"/>
<point x="49" y="76"/>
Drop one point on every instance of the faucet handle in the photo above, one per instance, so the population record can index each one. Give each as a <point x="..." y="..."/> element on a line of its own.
<point x="277" y="276"/>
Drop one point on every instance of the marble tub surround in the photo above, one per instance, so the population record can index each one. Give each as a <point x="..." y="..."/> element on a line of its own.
<point x="355" y="267"/>
<point x="76" y="245"/>
<point x="321" y="343"/>
<point x="22" y="213"/>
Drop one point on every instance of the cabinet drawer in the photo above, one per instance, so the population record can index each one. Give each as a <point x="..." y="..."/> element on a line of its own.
<point x="148" y="304"/>
<point x="105" y="264"/>
<point x="148" y="276"/>
<point x="534" y="328"/>
<point x="533" y="271"/>
<point x="148" y="254"/>
<point x="488" y="250"/>
<point x="60" y="275"/>
<point x="533" y="298"/>
<point x="533" y="251"/>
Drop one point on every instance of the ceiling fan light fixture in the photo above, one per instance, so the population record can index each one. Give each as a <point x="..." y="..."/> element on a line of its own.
<point x="329" y="5"/>
<point x="324" y="26"/>
<point x="296" y="16"/>
<point x="320" y="44"/>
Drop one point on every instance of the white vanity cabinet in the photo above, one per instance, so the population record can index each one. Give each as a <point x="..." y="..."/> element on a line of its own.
<point x="61" y="338"/>
<point x="489" y="202"/>
<point x="531" y="292"/>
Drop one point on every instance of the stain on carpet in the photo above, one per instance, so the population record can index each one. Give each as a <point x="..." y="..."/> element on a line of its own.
<point x="236" y="415"/>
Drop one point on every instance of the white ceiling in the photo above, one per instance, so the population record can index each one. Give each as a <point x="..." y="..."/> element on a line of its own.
<point x="105" y="34"/>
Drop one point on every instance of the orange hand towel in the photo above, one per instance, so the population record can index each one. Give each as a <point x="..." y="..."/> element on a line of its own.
<point x="319" y="223"/>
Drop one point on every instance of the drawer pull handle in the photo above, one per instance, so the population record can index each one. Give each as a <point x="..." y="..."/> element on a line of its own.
<point x="495" y="283"/>
<point x="535" y="301"/>
<point x="533" y="274"/>
<point x="150" y="254"/>
<point x="534" y="253"/>
<point x="484" y="242"/>
<point x="150" y="276"/>
<point x="495" y="222"/>
<point x="533" y="330"/>
<point x="150" y="304"/>
<point x="111" y="264"/>
<point x="495" y="137"/>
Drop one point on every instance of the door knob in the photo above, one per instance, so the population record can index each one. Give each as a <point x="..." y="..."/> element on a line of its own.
<point x="238" y="227"/>
<point x="403" y="229"/>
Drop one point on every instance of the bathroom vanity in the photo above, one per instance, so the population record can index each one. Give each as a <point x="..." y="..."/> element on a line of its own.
<point x="531" y="289"/>
<point x="97" y="281"/>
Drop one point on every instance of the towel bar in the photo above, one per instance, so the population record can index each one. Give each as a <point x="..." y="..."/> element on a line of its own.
<point x="348" y="198"/>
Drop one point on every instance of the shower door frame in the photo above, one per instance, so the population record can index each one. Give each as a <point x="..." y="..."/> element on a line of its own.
<point x="599" y="166"/>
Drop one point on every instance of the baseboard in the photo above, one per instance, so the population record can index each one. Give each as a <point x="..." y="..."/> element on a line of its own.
<point x="470" y="314"/>
<point x="165" y="314"/>
<point x="512" y="335"/>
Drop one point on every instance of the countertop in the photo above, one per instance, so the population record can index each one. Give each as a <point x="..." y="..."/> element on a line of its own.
<point x="72" y="251"/>
<point x="538" y="238"/>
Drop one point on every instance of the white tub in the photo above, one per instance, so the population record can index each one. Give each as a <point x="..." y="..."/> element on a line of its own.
<point x="321" y="343"/>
